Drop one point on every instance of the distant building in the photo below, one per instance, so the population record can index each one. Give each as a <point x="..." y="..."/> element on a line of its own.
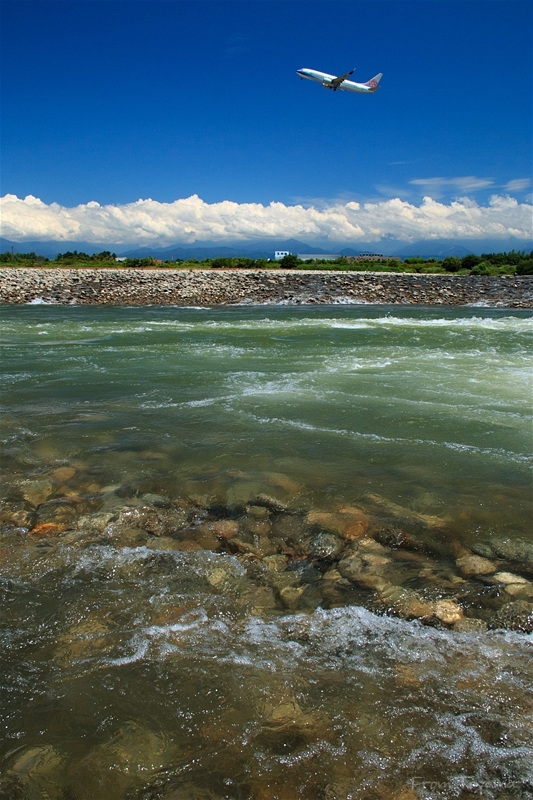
<point x="318" y="256"/>
<point x="279" y="254"/>
<point x="120" y="258"/>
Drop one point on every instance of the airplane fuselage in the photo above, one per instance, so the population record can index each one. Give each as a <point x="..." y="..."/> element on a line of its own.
<point x="327" y="81"/>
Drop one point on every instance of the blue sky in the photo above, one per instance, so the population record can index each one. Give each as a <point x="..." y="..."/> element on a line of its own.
<point x="116" y="101"/>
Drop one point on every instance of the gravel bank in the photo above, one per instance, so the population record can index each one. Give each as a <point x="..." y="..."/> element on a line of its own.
<point x="231" y="287"/>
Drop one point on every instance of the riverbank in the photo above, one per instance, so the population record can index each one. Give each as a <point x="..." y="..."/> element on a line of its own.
<point x="234" y="287"/>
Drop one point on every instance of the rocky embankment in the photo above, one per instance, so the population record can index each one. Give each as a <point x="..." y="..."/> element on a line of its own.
<point x="232" y="287"/>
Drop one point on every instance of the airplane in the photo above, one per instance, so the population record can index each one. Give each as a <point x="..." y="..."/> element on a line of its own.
<point x="339" y="82"/>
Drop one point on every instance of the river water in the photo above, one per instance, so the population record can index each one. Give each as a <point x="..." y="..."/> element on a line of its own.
<point x="266" y="552"/>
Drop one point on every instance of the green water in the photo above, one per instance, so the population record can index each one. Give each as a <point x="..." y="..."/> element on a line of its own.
<point x="159" y="664"/>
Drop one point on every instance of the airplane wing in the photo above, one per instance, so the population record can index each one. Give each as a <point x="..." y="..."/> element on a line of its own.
<point x="336" y="82"/>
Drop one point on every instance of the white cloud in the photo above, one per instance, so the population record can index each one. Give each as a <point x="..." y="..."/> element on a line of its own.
<point x="440" y="186"/>
<point x="192" y="220"/>
<point x="517" y="185"/>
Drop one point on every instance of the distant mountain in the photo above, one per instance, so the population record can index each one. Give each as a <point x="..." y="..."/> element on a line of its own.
<point x="256" y="249"/>
<point x="264" y="248"/>
<point x="441" y="248"/>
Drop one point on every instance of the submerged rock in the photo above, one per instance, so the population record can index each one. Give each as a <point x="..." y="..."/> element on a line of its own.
<point x="350" y="523"/>
<point x="35" y="772"/>
<point x="271" y="503"/>
<point x="156" y="500"/>
<point x="47" y="529"/>
<point x="508" y="577"/>
<point x="470" y="625"/>
<point x="448" y="611"/>
<point x="401" y="512"/>
<point x="128" y="758"/>
<point x="470" y="566"/>
<point x="325" y="546"/>
<point x="37" y="492"/>
<point x="63" y="474"/>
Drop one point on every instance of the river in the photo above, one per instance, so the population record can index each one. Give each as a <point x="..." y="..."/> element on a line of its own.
<point x="266" y="552"/>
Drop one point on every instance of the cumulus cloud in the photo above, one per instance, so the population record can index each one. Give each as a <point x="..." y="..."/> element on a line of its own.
<point x="191" y="220"/>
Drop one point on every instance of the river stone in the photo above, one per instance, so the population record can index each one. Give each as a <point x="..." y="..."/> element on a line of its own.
<point x="517" y="616"/>
<point x="38" y="770"/>
<point x="483" y="549"/>
<point x="276" y="563"/>
<point x="350" y="523"/>
<point x="512" y="549"/>
<point x="271" y="503"/>
<point x="17" y="516"/>
<point x="96" y="522"/>
<point x="157" y="522"/>
<point x="448" y="611"/>
<point x="522" y="590"/>
<point x="290" y="596"/>
<point x="325" y="545"/>
<point x="109" y="769"/>
<point x="37" y="492"/>
<point x="47" y="529"/>
<point x="355" y="569"/>
<point x="404" y="603"/>
<point x="470" y="625"/>
<point x="259" y="512"/>
<point x="157" y="500"/>
<point x="470" y="566"/>
<point x="63" y="474"/>
<point x="226" y="528"/>
<point x="508" y="577"/>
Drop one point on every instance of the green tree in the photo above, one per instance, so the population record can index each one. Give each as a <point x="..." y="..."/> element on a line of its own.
<point x="289" y="262"/>
<point x="525" y="267"/>
<point x="452" y="264"/>
<point x="470" y="261"/>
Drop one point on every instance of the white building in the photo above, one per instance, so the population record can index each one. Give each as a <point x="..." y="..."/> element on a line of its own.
<point x="279" y="254"/>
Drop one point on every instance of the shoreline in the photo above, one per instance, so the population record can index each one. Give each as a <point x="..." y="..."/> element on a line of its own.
<point x="21" y="286"/>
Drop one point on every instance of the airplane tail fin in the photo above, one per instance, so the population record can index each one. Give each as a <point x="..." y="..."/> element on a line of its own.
<point x="373" y="82"/>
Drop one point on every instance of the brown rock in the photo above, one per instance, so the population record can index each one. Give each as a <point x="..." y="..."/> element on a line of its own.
<point x="448" y="611"/>
<point x="350" y="522"/>
<point x="470" y="566"/>
<point x="187" y="544"/>
<point x="63" y="474"/>
<point x="47" y="529"/>
<point x="226" y="528"/>
<point x="37" y="492"/>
